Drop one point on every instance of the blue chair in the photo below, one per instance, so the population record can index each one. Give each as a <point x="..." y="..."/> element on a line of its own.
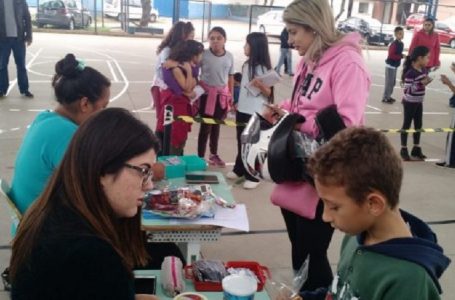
<point x="15" y="214"/>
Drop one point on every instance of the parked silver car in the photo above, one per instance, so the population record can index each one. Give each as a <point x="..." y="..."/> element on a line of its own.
<point x="62" y="13"/>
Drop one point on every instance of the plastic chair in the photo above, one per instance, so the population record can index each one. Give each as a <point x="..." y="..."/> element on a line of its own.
<point x="15" y="214"/>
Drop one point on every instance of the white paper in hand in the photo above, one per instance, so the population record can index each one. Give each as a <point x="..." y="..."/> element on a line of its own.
<point x="199" y="91"/>
<point x="268" y="79"/>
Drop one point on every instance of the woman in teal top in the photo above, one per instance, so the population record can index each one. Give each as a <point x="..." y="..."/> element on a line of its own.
<point x="80" y="91"/>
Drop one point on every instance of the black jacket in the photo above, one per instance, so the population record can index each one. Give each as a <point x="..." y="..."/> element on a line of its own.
<point x="284" y="36"/>
<point x="23" y="20"/>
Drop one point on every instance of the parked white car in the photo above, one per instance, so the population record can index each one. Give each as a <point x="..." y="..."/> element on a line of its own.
<point x="112" y="8"/>
<point x="271" y="22"/>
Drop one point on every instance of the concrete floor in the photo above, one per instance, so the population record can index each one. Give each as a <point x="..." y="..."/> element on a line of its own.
<point x="427" y="191"/>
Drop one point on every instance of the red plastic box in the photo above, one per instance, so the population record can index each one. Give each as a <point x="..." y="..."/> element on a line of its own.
<point x="261" y="273"/>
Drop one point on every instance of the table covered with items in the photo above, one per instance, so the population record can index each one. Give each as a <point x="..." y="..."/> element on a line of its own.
<point x="190" y="207"/>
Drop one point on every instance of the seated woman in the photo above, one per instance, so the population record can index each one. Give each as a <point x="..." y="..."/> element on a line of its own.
<point x="80" y="91"/>
<point x="81" y="237"/>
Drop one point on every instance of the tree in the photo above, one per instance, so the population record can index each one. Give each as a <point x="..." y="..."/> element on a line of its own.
<point x="146" y="10"/>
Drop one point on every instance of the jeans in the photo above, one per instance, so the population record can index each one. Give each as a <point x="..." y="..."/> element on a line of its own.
<point x="16" y="45"/>
<point x="390" y="81"/>
<point x="285" y="53"/>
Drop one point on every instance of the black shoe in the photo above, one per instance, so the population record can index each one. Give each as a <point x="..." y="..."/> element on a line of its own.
<point x="416" y="152"/>
<point x="404" y="154"/>
<point x="392" y="100"/>
<point x="2" y="94"/>
<point x="292" y="74"/>
<point x="387" y="100"/>
<point x="27" y="94"/>
<point x="443" y="164"/>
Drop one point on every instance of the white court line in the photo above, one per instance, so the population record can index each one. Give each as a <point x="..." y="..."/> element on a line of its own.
<point x="125" y="87"/>
<point x="148" y="109"/>
<point x="112" y="71"/>
<point x="399" y="113"/>
<point x="27" y="66"/>
<point x="375" y="108"/>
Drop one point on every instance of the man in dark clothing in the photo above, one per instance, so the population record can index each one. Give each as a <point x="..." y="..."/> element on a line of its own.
<point x="15" y="32"/>
<point x="285" y="54"/>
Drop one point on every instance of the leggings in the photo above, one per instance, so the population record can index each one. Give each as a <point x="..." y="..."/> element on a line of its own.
<point x="310" y="237"/>
<point x="413" y="111"/>
<point x="207" y="130"/>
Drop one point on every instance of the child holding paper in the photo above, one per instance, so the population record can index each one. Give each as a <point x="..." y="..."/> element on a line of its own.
<point x="258" y="63"/>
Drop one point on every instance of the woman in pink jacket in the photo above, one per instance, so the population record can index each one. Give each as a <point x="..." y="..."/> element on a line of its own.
<point x="331" y="72"/>
<point x="430" y="39"/>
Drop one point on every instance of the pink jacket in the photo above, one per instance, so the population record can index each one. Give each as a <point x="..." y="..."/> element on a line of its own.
<point x="212" y="92"/>
<point x="421" y="38"/>
<point x="341" y="78"/>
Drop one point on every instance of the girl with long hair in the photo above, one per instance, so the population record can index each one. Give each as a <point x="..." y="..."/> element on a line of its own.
<point x="258" y="63"/>
<point x="331" y="72"/>
<point x="217" y="78"/>
<point x="80" y="91"/>
<point x="82" y="237"/>
<point x="427" y="37"/>
<point x="181" y="79"/>
<point x="414" y="79"/>
<point x="180" y="31"/>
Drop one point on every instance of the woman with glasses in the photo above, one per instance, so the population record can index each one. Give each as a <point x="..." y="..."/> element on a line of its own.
<point x="82" y="237"/>
<point x="80" y="91"/>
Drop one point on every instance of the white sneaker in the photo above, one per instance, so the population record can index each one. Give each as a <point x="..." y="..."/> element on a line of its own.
<point x="249" y="185"/>
<point x="232" y="175"/>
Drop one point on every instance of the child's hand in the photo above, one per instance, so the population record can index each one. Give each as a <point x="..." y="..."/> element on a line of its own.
<point x="257" y="83"/>
<point x="187" y="67"/>
<point x="272" y="113"/>
<point x="169" y="64"/>
<point x="426" y="80"/>
<point x="445" y="80"/>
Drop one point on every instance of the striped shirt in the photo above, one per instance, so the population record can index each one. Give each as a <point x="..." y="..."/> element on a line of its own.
<point x="414" y="89"/>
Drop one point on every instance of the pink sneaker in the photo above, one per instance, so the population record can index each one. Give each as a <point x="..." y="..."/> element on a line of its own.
<point x="215" y="160"/>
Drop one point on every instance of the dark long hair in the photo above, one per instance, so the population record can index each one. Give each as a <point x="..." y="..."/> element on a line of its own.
<point x="416" y="53"/>
<point x="101" y="146"/>
<point x="259" y="53"/>
<point x="73" y="81"/>
<point x="431" y="20"/>
<point x="186" y="50"/>
<point x="178" y="33"/>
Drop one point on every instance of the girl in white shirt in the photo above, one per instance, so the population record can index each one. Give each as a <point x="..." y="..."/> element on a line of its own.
<point x="258" y="63"/>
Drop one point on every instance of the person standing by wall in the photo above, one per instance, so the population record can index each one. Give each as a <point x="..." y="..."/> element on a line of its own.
<point x="331" y="72"/>
<point x="15" y="33"/>
<point x="285" y="54"/>
<point x="430" y="39"/>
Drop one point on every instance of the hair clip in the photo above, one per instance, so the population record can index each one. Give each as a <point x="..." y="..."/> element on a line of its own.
<point x="81" y="65"/>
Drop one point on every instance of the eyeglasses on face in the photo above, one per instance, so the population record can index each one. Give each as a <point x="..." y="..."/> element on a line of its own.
<point x="146" y="172"/>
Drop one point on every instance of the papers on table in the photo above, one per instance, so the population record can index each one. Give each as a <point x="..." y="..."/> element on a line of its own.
<point x="234" y="218"/>
<point x="268" y="79"/>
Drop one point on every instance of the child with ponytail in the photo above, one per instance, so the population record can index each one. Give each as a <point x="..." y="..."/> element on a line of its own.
<point x="414" y="79"/>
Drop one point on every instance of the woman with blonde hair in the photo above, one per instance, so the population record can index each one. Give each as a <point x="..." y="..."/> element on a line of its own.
<point x="331" y="72"/>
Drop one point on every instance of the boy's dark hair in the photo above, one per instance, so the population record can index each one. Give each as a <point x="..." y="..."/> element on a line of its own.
<point x="398" y="29"/>
<point x="73" y="80"/>
<point x="415" y="54"/>
<point x="186" y="50"/>
<point x="361" y="160"/>
<point x="238" y="77"/>
<point x="218" y="29"/>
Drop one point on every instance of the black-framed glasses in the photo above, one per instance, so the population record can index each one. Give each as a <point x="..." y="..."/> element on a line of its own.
<point x="146" y="172"/>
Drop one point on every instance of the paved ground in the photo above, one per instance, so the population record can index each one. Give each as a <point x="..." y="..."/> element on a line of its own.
<point x="428" y="190"/>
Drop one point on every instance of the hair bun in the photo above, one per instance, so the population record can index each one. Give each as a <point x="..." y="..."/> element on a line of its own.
<point x="67" y="66"/>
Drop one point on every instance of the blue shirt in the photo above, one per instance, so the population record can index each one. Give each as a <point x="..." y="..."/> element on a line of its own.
<point x="39" y="155"/>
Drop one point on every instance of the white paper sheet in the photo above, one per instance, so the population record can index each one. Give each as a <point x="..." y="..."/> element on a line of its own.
<point x="234" y="218"/>
<point x="199" y="92"/>
<point x="269" y="79"/>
